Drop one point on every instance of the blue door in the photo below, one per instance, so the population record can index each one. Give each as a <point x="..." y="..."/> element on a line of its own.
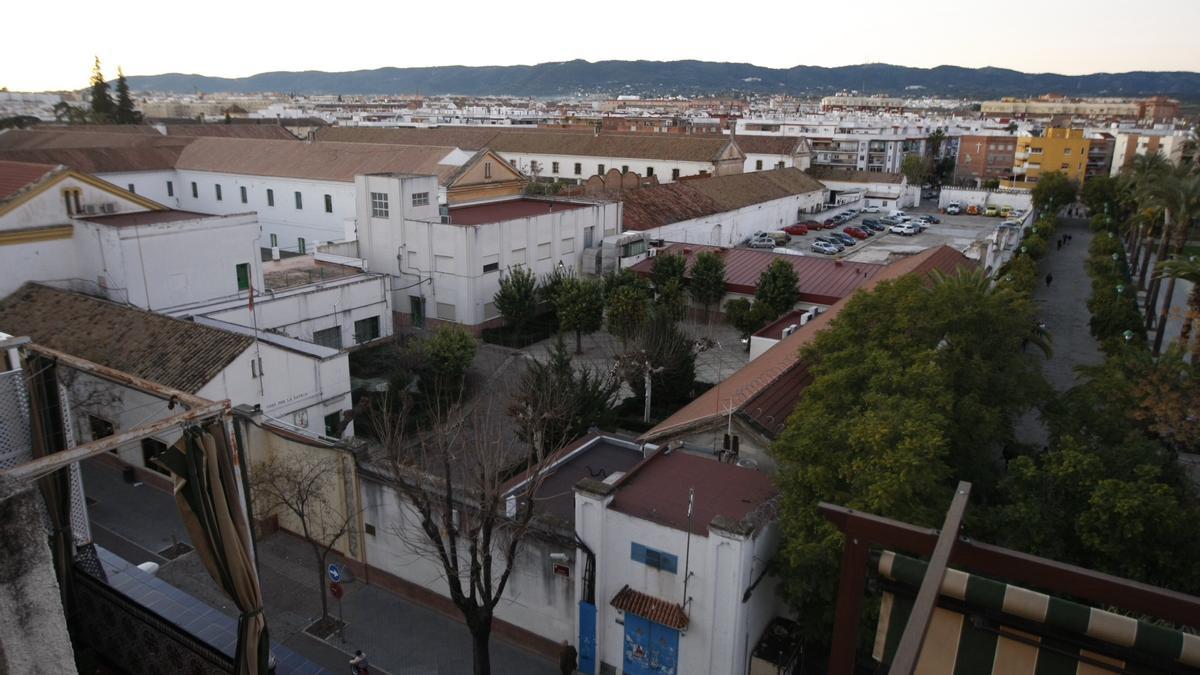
<point x="650" y="648"/>
<point x="587" y="638"/>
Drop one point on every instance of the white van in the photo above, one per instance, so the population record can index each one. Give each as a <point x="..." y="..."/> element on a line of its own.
<point x="899" y="215"/>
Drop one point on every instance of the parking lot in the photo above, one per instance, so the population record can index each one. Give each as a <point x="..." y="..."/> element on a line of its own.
<point x="956" y="231"/>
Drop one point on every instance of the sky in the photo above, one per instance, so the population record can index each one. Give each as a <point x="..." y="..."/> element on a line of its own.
<point x="50" y="45"/>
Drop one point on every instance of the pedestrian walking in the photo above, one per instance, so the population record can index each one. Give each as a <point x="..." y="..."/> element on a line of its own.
<point x="1068" y="238"/>
<point x="568" y="659"/>
<point x="359" y="665"/>
<point x="1059" y="243"/>
<point x="1049" y="278"/>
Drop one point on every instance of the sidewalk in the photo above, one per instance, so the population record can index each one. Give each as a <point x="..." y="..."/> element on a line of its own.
<point x="399" y="636"/>
<point x="1062" y="306"/>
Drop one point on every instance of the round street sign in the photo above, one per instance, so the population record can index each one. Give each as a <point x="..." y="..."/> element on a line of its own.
<point x="335" y="589"/>
<point x="335" y="574"/>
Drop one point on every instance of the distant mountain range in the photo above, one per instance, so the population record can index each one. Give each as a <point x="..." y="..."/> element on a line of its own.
<point x="683" y="77"/>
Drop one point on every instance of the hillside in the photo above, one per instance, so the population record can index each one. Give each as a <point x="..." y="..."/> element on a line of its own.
<point x="683" y="77"/>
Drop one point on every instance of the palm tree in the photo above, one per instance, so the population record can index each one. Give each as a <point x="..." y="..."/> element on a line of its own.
<point x="1187" y="269"/>
<point x="1178" y="193"/>
<point x="1144" y="172"/>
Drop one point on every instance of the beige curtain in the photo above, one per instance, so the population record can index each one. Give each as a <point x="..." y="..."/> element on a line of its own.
<point x="207" y="494"/>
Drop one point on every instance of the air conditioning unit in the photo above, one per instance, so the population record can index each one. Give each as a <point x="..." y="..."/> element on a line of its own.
<point x="790" y="329"/>
<point x="89" y="209"/>
<point x="109" y="207"/>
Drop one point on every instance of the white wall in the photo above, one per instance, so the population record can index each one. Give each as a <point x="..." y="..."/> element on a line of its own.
<point x="148" y="184"/>
<point x="414" y="244"/>
<point x="566" y="166"/>
<point x="536" y="599"/>
<point x="49" y="207"/>
<point x="289" y="224"/>
<point x="768" y="162"/>
<point x="299" y="312"/>
<point x="164" y="265"/>
<point x="1017" y="199"/>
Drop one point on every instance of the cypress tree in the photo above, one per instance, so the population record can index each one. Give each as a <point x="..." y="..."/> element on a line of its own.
<point x="102" y="103"/>
<point x="125" y="112"/>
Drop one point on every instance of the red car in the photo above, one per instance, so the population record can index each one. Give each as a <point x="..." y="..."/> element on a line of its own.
<point x="810" y="224"/>
<point x="798" y="230"/>
<point x="828" y="224"/>
<point x="855" y="232"/>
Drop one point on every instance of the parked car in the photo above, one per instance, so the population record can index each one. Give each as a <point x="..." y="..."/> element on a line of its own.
<point x="953" y="208"/>
<point x="810" y="224"/>
<point x="932" y="220"/>
<point x="991" y="211"/>
<point x="857" y="232"/>
<point x="906" y="229"/>
<point x="824" y="247"/>
<point x="870" y="209"/>
<point x="896" y="213"/>
<point x="835" y="243"/>
<point x="872" y="224"/>
<point x="919" y="224"/>
<point x="796" y="230"/>
<point x="827" y="223"/>
<point x="779" y="236"/>
<point x="889" y="221"/>
<point x="761" y="241"/>
<point x="844" y="238"/>
<point x="1017" y="214"/>
<point x="973" y="210"/>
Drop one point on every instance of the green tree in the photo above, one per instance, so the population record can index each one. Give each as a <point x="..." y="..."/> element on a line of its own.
<point x="916" y="169"/>
<point x="624" y="277"/>
<point x="933" y="144"/>
<point x="516" y="299"/>
<point x="671" y="357"/>
<point x="748" y="317"/>
<point x="1052" y="192"/>
<point x="125" y="112"/>
<point x="916" y="384"/>
<point x="708" y="281"/>
<point x="778" y="287"/>
<point x="557" y="402"/>
<point x="1177" y="193"/>
<point x="102" y="103"/>
<point x="1100" y="194"/>
<point x="580" y="305"/>
<point x="671" y="300"/>
<point x="667" y="267"/>
<point x="448" y="354"/>
<point x="627" y="310"/>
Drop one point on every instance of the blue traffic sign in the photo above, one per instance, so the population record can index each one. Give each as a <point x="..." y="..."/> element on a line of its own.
<point x="335" y="574"/>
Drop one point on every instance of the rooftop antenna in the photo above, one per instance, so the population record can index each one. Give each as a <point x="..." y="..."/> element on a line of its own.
<point x="687" y="556"/>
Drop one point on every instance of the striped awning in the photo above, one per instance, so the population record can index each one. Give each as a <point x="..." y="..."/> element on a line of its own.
<point x="983" y="626"/>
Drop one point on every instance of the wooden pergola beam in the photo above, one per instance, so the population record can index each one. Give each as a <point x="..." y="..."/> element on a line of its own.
<point x="913" y="637"/>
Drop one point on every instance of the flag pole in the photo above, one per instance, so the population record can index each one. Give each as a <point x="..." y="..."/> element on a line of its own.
<point x="687" y="556"/>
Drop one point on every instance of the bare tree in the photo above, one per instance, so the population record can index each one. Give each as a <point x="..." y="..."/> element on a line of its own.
<point x="301" y="486"/>
<point x="453" y="477"/>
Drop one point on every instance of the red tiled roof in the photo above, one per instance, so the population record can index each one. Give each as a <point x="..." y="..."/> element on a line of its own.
<point x="821" y="280"/>
<point x="750" y="381"/>
<point x="657" y="490"/>
<point x="16" y="176"/>
<point x="649" y="607"/>
<point x="512" y="209"/>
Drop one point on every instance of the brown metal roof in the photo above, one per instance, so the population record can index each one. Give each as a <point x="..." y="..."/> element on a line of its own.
<point x="263" y="131"/>
<point x="171" y="352"/>
<point x="145" y="218"/>
<point x="314" y="161"/>
<point x="87" y="137"/>
<point x="652" y="207"/>
<point x="749" y="381"/>
<point x="659" y="611"/>
<point x="16" y="176"/>
<point x="657" y="490"/>
<point x="101" y="159"/>
<point x="763" y="144"/>
<point x="690" y="148"/>
<point x="512" y="209"/>
<point x="820" y="280"/>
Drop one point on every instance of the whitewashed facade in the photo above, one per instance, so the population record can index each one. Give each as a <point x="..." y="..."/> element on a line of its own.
<point x="449" y="272"/>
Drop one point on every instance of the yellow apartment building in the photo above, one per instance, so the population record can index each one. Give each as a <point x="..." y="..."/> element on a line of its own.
<point x="1062" y="150"/>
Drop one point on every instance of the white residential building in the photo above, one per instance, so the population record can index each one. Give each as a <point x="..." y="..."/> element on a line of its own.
<point x="681" y="545"/>
<point x="448" y="266"/>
